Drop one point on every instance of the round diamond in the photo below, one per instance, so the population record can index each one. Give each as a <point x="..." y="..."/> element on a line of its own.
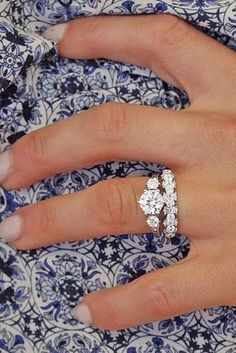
<point x="170" y="218"/>
<point x="170" y="229"/>
<point x="167" y="173"/>
<point x="151" y="202"/>
<point x="153" y="183"/>
<point x="167" y="210"/>
<point x="169" y="188"/>
<point x="170" y="224"/>
<point x="170" y="199"/>
<point x="153" y="222"/>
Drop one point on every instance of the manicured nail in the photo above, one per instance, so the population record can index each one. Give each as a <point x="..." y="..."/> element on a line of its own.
<point x="82" y="313"/>
<point x="55" y="33"/>
<point x="11" y="227"/>
<point x="5" y="165"/>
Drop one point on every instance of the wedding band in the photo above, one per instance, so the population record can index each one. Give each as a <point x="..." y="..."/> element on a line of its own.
<point x="159" y="197"/>
<point x="170" y="198"/>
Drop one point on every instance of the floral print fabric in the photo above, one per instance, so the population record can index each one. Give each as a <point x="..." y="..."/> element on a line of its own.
<point x="39" y="288"/>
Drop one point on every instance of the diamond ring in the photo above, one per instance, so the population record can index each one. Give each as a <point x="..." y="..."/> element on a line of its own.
<point x="159" y="200"/>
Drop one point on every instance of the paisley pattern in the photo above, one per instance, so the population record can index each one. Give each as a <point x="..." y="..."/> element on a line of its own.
<point x="39" y="288"/>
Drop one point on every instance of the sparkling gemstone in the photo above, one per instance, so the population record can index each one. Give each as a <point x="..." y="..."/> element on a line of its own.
<point x="170" y="198"/>
<point x="167" y="210"/>
<point x="167" y="180"/>
<point x="170" y="217"/>
<point x="151" y="202"/>
<point x="169" y="189"/>
<point x="170" y="224"/>
<point x="167" y="177"/>
<point x="167" y="172"/>
<point x="153" y="222"/>
<point x="153" y="183"/>
<point x="170" y="229"/>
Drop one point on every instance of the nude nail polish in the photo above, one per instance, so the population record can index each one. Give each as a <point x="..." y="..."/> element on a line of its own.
<point x="55" y="33"/>
<point x="5" y="165"/>
<point x="82" y="313"/>
<point x="11" y="228"/>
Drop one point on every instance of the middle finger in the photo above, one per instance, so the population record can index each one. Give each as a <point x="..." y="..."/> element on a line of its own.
<point x="112" y="131"/>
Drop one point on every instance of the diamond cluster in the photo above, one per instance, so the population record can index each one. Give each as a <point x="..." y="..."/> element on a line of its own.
<point x="152" y="202"/>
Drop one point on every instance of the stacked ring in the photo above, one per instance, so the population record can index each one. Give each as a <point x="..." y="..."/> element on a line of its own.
<point x="170" y="208"/>
<point x="153" y="201"/>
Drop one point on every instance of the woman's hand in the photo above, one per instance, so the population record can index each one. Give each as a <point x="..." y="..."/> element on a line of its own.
<point x="198" y="144"/>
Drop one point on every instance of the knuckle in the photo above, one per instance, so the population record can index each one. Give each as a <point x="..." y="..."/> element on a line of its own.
<point x="214" y="133"/>
<point x="35" y="148"/>
<point x="161" y="298"/>
<point x="45" y="216"/>
<point x="113" y="321"/>
<point x="227" y="133"/>
<point x="173" y="29"/>
<point x="115" y="206"/>
<point x="109" y="318"/>
<point x="112" y="202"/>
<point x="222" y="133"/>
<point x="114" y="123"/>
<point x="94" y="32"/>
<point x="40" y="218"/>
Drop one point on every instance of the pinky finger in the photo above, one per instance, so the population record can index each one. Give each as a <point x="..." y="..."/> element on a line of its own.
<point x="175" y="290"/>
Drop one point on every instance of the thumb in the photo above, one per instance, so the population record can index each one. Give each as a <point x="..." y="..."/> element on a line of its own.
<point x="177" y="289"/>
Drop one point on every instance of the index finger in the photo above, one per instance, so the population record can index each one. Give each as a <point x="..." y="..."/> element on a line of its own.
<point x="175" y="50"/>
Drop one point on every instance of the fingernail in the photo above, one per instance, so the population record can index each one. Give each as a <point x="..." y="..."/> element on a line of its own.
<point x="82" y="313"/>
<point x="10" y="228"/>
<point x="55" y="33"/>
<point x="5" y="165"/>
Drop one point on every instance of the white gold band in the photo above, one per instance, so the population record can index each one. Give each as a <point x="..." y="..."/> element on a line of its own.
<point x="170" y="198"/>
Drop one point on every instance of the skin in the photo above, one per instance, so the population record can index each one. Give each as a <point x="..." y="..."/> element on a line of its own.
<point x="198" y="144"/>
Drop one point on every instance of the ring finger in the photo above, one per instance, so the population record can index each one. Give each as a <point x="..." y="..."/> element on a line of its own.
<point x="68" y="217"/>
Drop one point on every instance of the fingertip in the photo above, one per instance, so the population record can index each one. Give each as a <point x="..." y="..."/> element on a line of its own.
<point x="56" y="33"/>
<point x="82" y="313"/>
<point x="98" y="309"/>
<point x="11" y="228"/>
<point x="6" y="161"/>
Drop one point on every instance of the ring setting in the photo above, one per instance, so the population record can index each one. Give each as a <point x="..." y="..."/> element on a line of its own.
<point x="160" y="199"/>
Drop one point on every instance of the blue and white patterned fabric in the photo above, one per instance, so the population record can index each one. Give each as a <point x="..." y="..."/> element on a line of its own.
<point x="38" y="288"/>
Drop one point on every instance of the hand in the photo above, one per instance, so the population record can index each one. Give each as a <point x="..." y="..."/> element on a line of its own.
<point x="198" y="144"/>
